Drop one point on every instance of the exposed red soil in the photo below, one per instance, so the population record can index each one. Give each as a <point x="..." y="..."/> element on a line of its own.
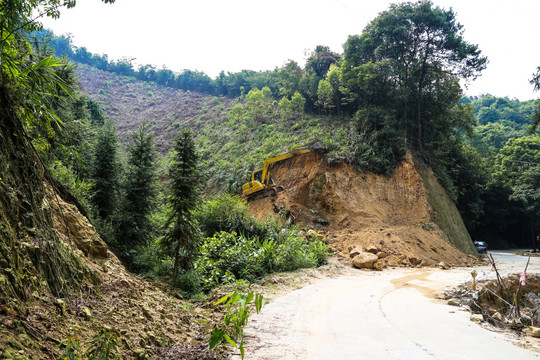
<point x="389" y="214"/>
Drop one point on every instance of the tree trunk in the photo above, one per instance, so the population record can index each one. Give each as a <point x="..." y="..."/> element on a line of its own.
<point x="176" y="260"/>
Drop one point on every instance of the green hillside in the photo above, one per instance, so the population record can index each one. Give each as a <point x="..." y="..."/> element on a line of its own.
<point x="234" y="136"/>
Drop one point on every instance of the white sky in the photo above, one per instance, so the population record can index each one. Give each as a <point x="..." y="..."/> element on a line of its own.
<point x="215" y="35"/>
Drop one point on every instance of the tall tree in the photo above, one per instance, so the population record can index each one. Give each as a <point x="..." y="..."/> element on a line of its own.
<point x="185" y="188"/>
<point x="320" y="60"/>
<point x="106" y="171"/>
<point x="517" y="168"/>
<point x="425" y="49"/>
<point x="140" y="187"/>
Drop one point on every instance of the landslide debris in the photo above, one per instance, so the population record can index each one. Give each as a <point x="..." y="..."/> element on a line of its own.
<point x="389" y="218"/>
<point x="152" y="321"/>
<point x="503" y="304"/>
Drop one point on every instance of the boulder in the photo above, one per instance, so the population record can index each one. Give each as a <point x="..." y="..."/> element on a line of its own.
<point x="454" y="302"/>
<point x="443" y="265"/>
<point x="372" y="249"/>
<point x="355" y="251"/>
<point x="61" y="306"/>
<point x="497" y="316"/>
<point x="146" y="311"/>
<point x="364" y="260"/>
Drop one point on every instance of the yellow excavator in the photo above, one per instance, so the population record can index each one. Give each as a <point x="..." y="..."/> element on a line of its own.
<point x="262" y="184"/>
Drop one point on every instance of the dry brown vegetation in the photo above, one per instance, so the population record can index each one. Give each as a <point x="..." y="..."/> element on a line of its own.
<point x="128" y="102"/>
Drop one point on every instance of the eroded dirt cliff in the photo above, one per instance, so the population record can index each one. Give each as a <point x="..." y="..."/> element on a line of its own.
<point x="150" y="321"/>
<point x="393" y="216"/>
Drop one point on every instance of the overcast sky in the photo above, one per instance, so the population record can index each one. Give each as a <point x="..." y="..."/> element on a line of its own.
<point x="215" y="35"/>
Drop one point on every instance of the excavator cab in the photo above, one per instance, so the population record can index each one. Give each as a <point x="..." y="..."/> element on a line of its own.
<point x="257" y="176"/>
<point x="257" y="187"/>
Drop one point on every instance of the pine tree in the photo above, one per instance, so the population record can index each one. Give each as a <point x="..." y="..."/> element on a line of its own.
<point x="140" y="188"/>
<point x="183" y="234"/>
<point x="106" y="172"/>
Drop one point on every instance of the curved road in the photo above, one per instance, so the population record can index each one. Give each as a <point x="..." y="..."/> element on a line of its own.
<point x="381" y="315"/>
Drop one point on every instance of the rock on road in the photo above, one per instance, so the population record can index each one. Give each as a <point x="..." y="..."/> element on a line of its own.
<point x="381" y="315"/>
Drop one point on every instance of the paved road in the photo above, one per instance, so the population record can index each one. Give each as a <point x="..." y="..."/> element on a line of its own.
<point x="381" y="315"/>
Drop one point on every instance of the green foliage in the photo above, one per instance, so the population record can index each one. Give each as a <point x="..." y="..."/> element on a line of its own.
<point x="96" y="112"/>
<point x="189" y="283"/>
<point x="182" y="234"/>
<point x="237" y="247"/>
<point x="140" y="188"/>
<point x="151" y="260"/>
<point x="81" y="188"/>
<point x="225" y="212"/>
<point x="320" y="60"/>
<point x="227" y="257"/>
<point x="106" y="172"/>
<point x="490" y="138"/>
<point x="488" y="190"/>
<point x="518" y="168"/>
<point x="237" y="307"/>
<point x="490" y="109"/>
<point x="103" y="346"/>
<point x="421" y="50"/>
<point x="71" y="350"/>
<point x="35" y="79"/>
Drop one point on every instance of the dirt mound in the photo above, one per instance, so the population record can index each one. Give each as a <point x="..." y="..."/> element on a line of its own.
<point x="389" y="216"/>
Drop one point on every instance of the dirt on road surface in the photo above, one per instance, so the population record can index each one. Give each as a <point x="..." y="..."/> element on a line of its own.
<point x="394" y="314"/>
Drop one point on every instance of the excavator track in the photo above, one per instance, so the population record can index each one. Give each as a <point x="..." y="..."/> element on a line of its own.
<point x="265" y="193"/>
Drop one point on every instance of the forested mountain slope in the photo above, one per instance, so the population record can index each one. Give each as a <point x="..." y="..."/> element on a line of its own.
<point x="233" y="136"/>
<point x="233" y="143"/>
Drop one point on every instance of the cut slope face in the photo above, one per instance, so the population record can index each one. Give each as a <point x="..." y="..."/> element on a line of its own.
<point x="390" y="215"/>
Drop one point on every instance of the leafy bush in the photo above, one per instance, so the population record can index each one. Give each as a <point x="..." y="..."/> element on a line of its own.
<point x="189" y="283"/>
<point x="224" y="213"/>
<point x="103" y="346"/>
<point x="226" y="257"/>
<point x="149" y="260"/>
<point x="80" y="188"/>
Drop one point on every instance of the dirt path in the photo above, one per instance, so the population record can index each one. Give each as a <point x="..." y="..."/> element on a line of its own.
<point x="381" y="315"/>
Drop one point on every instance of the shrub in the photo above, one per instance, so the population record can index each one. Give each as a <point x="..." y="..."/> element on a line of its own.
<point x="226" y="257"/>
<point x="189" y="283"/>
<point x="224" y="213"/>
